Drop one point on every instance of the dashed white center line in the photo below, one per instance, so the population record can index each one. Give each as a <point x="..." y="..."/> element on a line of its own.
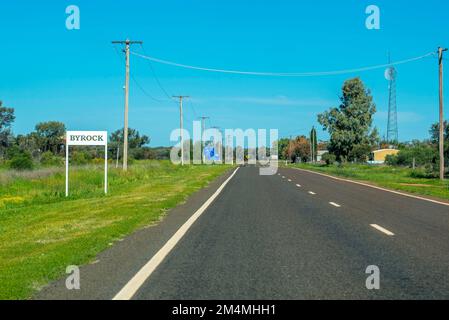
<point x="383" y="230"/>
<point x="312" y="193"/>
<point x="283" y="177"/>
<point x="335" y="204"/>
<point x="289" y="180"/>
<point x="298" y="185"/>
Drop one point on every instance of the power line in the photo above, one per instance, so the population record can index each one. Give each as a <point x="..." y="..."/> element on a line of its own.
<point x="169" y="96"/>
<point x="193" y="109"/>
<point x="281" y="74"/>
<point x="144" y="91"/>
<point x="141" y="88"/>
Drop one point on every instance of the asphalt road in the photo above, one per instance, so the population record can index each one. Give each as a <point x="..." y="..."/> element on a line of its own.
<point x="296" y="235"/>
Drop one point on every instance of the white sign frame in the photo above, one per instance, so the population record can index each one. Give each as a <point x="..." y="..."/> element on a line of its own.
<point x="86" y="138"/>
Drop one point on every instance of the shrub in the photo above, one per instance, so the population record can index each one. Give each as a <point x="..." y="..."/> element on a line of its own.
<point x="392" y="160"/>
<point x="329" y="158"/>
<point x="423" y="155"/>
<point x="49" y="159"/>
<point x="79" y="158"/>
<point x="427" y="173"/>
<point x="12" y="152"/>
<point x="22" y="161"/>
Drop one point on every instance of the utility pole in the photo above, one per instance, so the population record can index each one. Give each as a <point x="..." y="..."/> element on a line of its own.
<point x="127" y="44"/>
<point x="203" y="128"/>
<point x="229" y="148"/>
<point x="440" y="62"/>
<point x="181" y="124"/>
<point x="118" y="154"/>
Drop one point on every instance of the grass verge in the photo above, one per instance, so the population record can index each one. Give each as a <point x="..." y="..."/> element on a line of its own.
<point x="395" y="178"/>
<point x="42" y="232"/>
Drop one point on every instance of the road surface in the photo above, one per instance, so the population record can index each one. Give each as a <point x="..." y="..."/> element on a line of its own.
<point x="295" y="235"/>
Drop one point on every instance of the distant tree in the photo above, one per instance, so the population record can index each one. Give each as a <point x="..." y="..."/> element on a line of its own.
<point x="283" y="148"/>
<point x="435" y="139"/>
<point x="29" y="143"/>
<point x="314" y="142"/>
<point x="51" y="136"/>
<point x="6" y="119"/>
<point x="420" y="153"/>
<point x="135" y="140"/>
<point x="350" y="125"/>
<point x="282" y="145"/>
<point x="435" y="132"/>
<point x="160" y="153"/>
<point x="299" y="149"/>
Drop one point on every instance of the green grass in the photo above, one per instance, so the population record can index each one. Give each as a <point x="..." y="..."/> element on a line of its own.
<point x="42" y="232"/>
<point x="396" y="178"/>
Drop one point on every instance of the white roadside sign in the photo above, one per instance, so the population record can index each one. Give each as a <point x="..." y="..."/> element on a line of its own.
<point x="86" y="138"/>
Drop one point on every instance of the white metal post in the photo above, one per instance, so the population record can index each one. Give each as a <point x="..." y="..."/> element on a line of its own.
<point x="67" y="168"/>
<point x="182" y="135"/>
<point x="106" y="169"/>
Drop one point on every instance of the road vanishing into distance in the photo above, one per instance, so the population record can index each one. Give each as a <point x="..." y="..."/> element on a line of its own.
<point x="294" y="235"/>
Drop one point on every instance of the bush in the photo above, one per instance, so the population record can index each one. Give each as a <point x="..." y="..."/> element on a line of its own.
<point x="49" y="159"/>
<point x="22" y="161"/>
<point x="12" y="152"/>
<point x="360" y="153"/>
<point x="427" y="173"/>
<point x="79" y="158"/>
<point x="423" y="155"/>
<point x="329" y="158"/>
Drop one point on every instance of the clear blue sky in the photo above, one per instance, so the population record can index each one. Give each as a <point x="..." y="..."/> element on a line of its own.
<point x="50" y="73"/>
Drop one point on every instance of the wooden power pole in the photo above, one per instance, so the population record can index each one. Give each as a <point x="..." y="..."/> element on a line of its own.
<point x="440" y="62"/>
<point x="127" y="44"/>
<point x="181" y="124"/>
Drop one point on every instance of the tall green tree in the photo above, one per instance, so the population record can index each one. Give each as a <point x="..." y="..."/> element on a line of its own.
<point x="135" y="141"/>
<point x="435" y="132"/>
<point x="299" y="149"/>
<point x="435" y="139"/>
<point x="29" y="143"/>
<point x="6" y="119"/>
<point x="350" y="125"/>
<point x="314" y="144"/>
<point x="283" y="148"/>
<point x="51" y="136"/>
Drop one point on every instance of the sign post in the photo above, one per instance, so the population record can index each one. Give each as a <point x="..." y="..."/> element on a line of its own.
<point x="86" y="138"/>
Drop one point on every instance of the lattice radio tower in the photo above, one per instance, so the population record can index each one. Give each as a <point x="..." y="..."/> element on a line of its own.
<point x="392" y="128"/>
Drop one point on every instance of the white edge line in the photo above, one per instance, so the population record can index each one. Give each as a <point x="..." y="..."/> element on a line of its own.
<point x="131" y="288"/>
<point x="335" y="204"/>
<point x="383" y="230"/>
<point x="375" y="187"/>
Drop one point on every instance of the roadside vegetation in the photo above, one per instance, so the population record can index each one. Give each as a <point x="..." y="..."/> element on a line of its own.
<point x="42" y="232"/>
<point x="398" y="178"/>
<point x="353" y="139"/>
